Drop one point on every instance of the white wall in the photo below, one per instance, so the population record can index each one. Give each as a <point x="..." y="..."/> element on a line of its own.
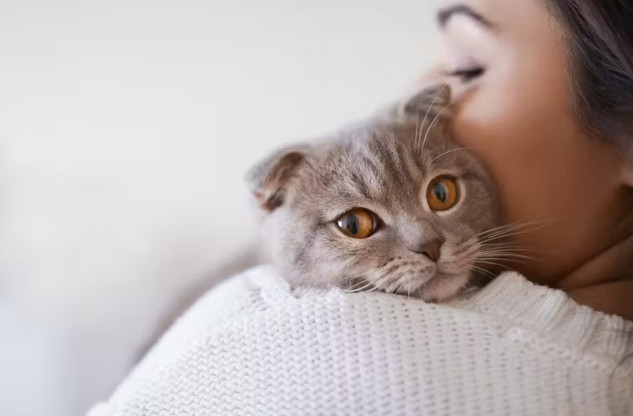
<point x="126" y="127"/>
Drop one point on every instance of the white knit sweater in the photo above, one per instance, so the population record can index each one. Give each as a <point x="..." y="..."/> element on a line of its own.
<point x="253" y="347"/>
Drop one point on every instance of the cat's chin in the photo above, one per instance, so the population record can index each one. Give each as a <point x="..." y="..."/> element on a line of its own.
<point x="443" y="287"/>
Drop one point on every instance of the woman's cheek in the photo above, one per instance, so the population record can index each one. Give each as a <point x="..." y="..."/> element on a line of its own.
<point x="543" y="165"/>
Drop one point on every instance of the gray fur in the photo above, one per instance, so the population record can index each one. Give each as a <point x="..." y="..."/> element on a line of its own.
<point x="382" y="165"/>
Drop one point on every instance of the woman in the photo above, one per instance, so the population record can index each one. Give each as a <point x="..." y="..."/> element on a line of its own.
<point x="549" y="108"/>
<point x="546" y="101"/>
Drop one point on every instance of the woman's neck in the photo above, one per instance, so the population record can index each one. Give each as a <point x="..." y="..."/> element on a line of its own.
<point x="606" y="282"/>
<point x="612" y="297"/>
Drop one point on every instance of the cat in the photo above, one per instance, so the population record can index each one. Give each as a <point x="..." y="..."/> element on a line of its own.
<point x="373" y="180"/>
<point x="391" y="204"/>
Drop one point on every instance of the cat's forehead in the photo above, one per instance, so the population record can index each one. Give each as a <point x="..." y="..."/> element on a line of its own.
<point x="376" y="164"/>
<point x="386" y="162"/>
<point x="408" y="148"/>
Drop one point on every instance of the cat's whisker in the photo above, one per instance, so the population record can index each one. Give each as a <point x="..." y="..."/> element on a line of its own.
<point x="401" y="288"/>
<point x="514" y="262"/>
<point x="505" y="235"/>
<point x="512" y="225"/>
<point x="449" y="152"/>
<point x="378" y="283"/>
<point x="417" y="128"/>
<point x="500" y="236"/>
<point x="520" y="260"/>
<point x="492" y="263"/>
<point x="484" y="253"/>
<point x="426" y="115"/>
<point x="485" y="272"/>
<point x="399" y="284"/>
<point x="509" y="245"/>
<point x="432" y="123"/>
<point x="397" y="287"/>
<point x="510" y="249"/>
<point x="514" y="254"/>
<point x="467" y="249"/>
<point x="496" y="253"/>
<point x="518" y="227"/>
<point x="484" y="248"/>
<point x="357" y="290"/>
<point x="374" y="285"/>
<point x="393" y="285"/>
<point x="505" y="256"/>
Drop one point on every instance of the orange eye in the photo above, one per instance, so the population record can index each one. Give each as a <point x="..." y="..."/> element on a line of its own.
<point x="358" y="223"/>
<point x="442" y="193"/>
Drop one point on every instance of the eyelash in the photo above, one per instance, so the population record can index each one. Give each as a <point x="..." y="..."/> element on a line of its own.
<point x="467" y="74"/>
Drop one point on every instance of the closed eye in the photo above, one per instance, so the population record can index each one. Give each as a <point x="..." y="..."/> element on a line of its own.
<point x="467" y="74"/>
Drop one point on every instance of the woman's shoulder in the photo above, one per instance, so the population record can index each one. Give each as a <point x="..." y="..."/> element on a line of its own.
<point x="508" y="304"/>
<point x="254" y="343"/>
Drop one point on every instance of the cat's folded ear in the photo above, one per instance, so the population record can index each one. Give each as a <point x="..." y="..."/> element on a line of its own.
<point x="430" y="102"/>
<point x="270" y="179"/>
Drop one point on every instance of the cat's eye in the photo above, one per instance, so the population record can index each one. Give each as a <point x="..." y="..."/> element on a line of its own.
<point x="358" y="223"/>
<point x="442" y="193"/>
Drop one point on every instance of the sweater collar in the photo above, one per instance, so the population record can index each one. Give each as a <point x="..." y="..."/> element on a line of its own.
<point x="520" y="305"/>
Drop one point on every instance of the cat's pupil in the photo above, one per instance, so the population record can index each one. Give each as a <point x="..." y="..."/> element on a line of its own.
<point x="440" y="191"/>
<point x="353" y="224"/>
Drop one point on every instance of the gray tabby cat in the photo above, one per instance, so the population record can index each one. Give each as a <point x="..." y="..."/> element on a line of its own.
<point x="391" y="205"/>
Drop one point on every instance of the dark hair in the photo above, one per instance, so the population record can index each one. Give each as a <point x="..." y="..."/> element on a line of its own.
<point x="599" y="36"/>
<point x="600" y="41"/>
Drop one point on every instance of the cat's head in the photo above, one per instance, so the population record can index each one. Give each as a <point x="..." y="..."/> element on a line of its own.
<point x="392" y="205"/>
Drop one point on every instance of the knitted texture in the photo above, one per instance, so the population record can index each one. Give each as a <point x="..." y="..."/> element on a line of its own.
<point x="254" y="347"/>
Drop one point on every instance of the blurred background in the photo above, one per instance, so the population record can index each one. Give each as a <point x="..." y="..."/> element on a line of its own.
<point x="126" y="127"/>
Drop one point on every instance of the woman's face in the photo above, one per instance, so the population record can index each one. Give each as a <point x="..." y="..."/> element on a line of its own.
<point x="507" y="63"/>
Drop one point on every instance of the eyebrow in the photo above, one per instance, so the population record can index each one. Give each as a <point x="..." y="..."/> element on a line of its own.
<point x="446" y="14"/>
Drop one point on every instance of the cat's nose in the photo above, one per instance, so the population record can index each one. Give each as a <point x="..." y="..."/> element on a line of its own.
<point x="431" y="249"/>
<point x="422" y="238"/>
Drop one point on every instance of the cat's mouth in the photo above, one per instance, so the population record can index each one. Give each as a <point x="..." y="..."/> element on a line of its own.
<point x="428" y="282"/>
<point x="414" y="276"/>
